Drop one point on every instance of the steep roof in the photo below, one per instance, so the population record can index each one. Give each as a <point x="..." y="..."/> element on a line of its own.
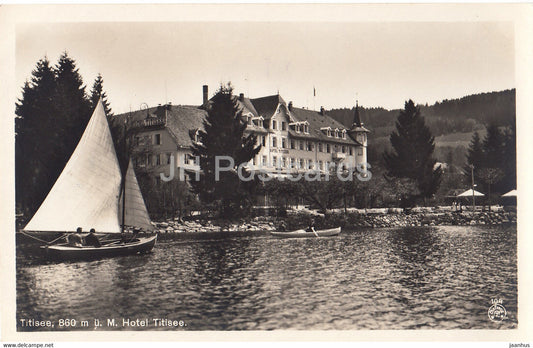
<point x="266" y="106"/>
<point x="247" y="105"/>
<point x="180" y="120"/>
<point x="316" y="121"/>
<point x="356" y="117"/>
<point x="357" y="125"/>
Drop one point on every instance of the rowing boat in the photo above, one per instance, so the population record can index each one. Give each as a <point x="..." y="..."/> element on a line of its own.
<point x="303" y="234"/>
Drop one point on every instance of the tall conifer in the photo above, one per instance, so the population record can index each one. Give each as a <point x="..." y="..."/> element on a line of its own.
<point x="98" y="91"/>
<point x="412" y="155"/>
<point x="223" y="135"/>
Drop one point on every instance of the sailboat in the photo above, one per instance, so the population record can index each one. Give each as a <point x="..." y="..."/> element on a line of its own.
<point x="91" y="193"/>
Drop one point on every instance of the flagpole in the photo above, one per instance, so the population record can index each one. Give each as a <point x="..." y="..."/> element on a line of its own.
<point x="314" y="98"/>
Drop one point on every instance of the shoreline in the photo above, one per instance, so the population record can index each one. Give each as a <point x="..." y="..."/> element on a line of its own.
<point x="294" y="220"/>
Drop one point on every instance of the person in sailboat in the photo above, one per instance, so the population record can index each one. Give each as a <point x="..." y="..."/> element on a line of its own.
<point x="75" y="239"/>
<point x="92" y="240"/>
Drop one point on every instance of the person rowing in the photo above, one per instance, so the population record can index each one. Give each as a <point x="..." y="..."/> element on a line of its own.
<point x="311" y="227"/>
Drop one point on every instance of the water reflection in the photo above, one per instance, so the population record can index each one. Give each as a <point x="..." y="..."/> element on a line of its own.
<point x="410" y="278"/>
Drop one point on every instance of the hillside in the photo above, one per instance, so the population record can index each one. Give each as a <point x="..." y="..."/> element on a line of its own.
<point x="452" y="122"/>
<point x="463" y="115"/>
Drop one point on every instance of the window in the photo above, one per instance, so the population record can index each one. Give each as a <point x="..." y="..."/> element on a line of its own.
<point x="336" y="133"/>
<point x="293" y="145"/>
<point x="260" y="123"/>
<point x="343" y="149"/>
<point x="335" y="148"/>
<point x="321" y="165"/>
<point x="292" y="163"/>
<point x="306" y="128"/>
<point x="328" y="148"/>
<point x="275" y="161"/>
<point x="301" y="163"/>
<point x="351" y="151"/>
<point x="284" y="143"/>
<point x="283" y="126"/>
<point x="301" y="144"/>
<point x="329" y="132"/>
<point x="274" y="124"/>
<point x="320" y="148"/>
<point x="157" y="160"/>
<point x="274" y="142"/>
<point x="169" y="157"/>
<point x="344" y="133"/>
<point x="157" y="139"/>
<point x="283" y="162"/>
<point x="264" y="160"/>
<point x="189" y="159"/>
<point x="263" y="140"/>
<point x="310" y="146"/>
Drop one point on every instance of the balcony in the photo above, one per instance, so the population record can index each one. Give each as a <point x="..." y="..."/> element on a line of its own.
<point x="149" y="122"/>
<point x="339" y="155"/>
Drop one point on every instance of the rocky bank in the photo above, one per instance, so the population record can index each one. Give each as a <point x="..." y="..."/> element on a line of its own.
<point x="351" y="219"/>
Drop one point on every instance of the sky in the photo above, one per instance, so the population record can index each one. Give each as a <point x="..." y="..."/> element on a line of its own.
<point x="378" y="63"/>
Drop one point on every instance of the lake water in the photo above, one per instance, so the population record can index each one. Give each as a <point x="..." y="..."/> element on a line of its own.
<point x="441" y="277"/>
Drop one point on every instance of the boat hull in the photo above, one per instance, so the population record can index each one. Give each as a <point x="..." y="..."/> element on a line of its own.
<point x="67" y="252"/>
<point x="304" y="234"/>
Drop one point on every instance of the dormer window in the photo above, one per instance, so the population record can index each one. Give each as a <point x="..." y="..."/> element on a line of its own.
<point x="344" y="133"/>
<point x="336" y="133"/>
<point x="306" y="128"/>
<point x="197" y="136"/>
<point x="329" y="132"/>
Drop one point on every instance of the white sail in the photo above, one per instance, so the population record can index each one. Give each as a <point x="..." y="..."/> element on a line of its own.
<point x="86" y="193"/>
<point x="136" y="214"/>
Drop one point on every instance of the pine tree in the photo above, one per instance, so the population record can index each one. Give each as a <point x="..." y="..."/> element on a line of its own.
<point x="474" y="157"/>
<point x="412" y="155"/>
<point x="98" y="91"/>
<point x="493" y="145"/>
<point x="223" y="135"/>
<point x="72" y="113"/>
<point x="35" y="113"/>
<point x="509" y="161"/>
<point x="51" y="117"/>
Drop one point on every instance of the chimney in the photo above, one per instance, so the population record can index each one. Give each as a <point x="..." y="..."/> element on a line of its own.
<point x="205" y="90"/>
<point x="241" y="96"/>
<point x="290" y="106"/>
<point x="169" y="106"/>
<point x="322" y="111"/>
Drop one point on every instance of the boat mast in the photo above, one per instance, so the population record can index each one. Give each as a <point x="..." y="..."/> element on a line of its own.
<point x="124" y="181"/>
